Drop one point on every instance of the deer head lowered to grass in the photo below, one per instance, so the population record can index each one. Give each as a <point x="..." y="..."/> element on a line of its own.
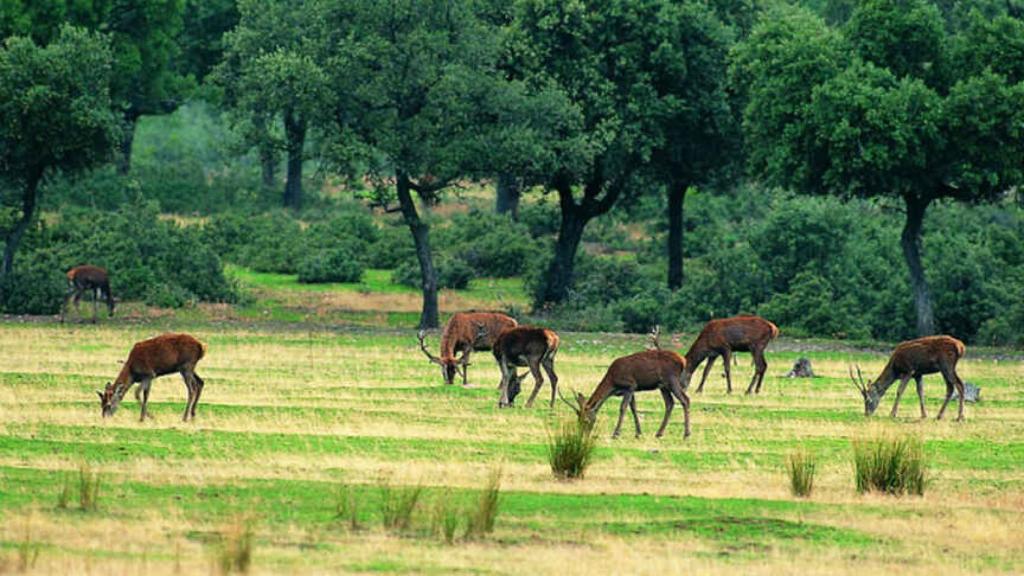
<point x="525" y="346"/>
<point x="914" y="359"/>
<point x="655" y="369"/>
<point x="149" y="359"/>
<point x="463" y="333"/>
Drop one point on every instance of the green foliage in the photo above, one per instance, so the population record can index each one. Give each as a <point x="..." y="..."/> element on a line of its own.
<point x="275" y="244"/>
<point x="482" y="518"/>
<point x="234" y="549"/>
<point x="890" y="465"/>
<point x="398" y="504"/>
<point x="330" y="265"/>
<point x="36" y="286"/>
<point x="88" y="488"/>
<point x="491" y="244"/>
<point x="452" y="273"/>
<point x="394" y="247"/>
<point x="347" y="507"/>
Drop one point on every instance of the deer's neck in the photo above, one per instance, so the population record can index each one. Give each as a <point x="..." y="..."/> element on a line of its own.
<point x="600" y="395"/>
<point x="698" y="352"/>
<point x="881" y="385"/>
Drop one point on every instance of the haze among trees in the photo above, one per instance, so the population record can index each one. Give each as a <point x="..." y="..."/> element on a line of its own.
<point x="849" y="167"/>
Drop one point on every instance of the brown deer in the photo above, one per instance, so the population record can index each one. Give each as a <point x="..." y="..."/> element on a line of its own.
<point x="83" y="279"/>
<point x="914" y="359"/>
<point x="724" y="336"/>
<point x="656" y="369"/>
<point x="149" y="359"/>
<point x="462" y="334"/>
<point x="525" y="346"/>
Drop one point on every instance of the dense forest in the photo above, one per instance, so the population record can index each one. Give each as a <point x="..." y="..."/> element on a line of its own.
<point x="847" y="169"/>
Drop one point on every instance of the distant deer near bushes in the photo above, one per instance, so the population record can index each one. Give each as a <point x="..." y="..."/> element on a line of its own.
<point x="914" y="359"/>
<point x="87" y="279"/>
<point x="463" y="334"/>
<point x="149" y="359"/>
<point x="722" y="337"/>
<point x="656" y="369"/>
<point x="525" y="346"/>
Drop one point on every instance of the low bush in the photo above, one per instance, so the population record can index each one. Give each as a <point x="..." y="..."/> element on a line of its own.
<point x="889" y="465"/>
<point x="452" y="273"/>
<point x="275" y="244"/>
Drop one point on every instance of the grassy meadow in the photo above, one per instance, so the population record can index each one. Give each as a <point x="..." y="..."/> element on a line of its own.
<point x="305" y="428"/>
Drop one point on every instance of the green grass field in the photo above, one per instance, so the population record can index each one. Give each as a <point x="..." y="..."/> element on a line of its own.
<point x="304" y="412"/>
<point x="291" y="418"/>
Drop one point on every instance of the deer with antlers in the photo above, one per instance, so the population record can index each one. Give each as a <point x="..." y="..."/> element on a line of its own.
<point x="914" y="359"/>
<point x="655" y="369"/>
<point x="149" y="359"/>
<point x="87" y="279"/>
<point x="525" y="346"/>
<point x="466" y="332"/>
<point x="722" y="337"/>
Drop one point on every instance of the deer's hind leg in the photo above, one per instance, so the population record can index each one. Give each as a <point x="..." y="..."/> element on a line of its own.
<point x="677" y="390"/>
<point x="199" y="384"/>
<point x="899" y="394"/>
<point x="144" y="385"/>
<point x="548" y="363"/>
<point x="636" y="418"/>
<point x="538" y="380"/>
<point x="186" y="375"/>
<point x="954" y="381"/>
<point x="666" y="395"/>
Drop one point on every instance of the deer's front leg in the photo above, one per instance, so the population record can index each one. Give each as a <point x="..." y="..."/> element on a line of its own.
<point x="919" y="383"/>
<point x="899" y="394"/>
<point x="636" y="418"/>
<point x="666" y="395"/>
<point x="626" y="398"/>
<point x="538" y="380"/>
<point x="704" y="376"/>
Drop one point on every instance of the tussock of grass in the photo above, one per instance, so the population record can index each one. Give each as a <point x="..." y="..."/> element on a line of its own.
<point x="889" y="465"/>
<point x="445" y="517"/>
<point x="234" y="553"/>
<point x="88" y="488"/>
<point x="27" y="550"/>
<point x="347" y="507"/>
<point x="398" y="504"/>
<point x="801" y="466"/>
<point x="570" y="449"/>
<point x="481" y="520"/>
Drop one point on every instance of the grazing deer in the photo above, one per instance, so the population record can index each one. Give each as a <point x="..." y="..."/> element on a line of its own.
<point x="82" y="279"/>
<point x="525" y="346"/>
<point x="656" y="369"/>
<point x="914" y="359"/>
<point x="463" y="334"/>
<point x="150" y="359"/>
<point x="724" y="336"/>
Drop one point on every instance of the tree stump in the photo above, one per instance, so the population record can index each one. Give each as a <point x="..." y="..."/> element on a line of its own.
<point x="801" y="369"/>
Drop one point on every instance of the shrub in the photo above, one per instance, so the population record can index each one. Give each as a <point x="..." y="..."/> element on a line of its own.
<point x="890" y="465"/>
<point x="445" y="517"/>
<point x="451" y="273"/>
<point x="276" y="244"/>
<point x="639" y="313"/>
<point x="330" y="265"/>
<point x="393" y="249"/>
<point x="801" y="467"/>
<point x="491" y="244"/>
<point x="570" y="449"/>
<point x="37" y="285"/>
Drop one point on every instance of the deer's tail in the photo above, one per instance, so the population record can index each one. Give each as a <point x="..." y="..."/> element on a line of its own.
<point x="774" y="329"/>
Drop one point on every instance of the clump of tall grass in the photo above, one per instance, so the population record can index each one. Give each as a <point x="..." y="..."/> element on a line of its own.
<point x="234" y="554"/>
<point x="88" y="487"/>
<point x="482" y="517"/>
<point x="347" y="507"/>
<point x="889" y="465"/>
<point x="445" y="516"/>
<point x="26" y="551"/>
<point x="801" y="466"/>
<point x="397" y="505"/>
<point x="570" y="448"/>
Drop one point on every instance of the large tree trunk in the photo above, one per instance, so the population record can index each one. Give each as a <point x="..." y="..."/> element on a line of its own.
<point x="421" y="239"/>
<point x="911" y="242"/>
<point x="508" y="194"/>
<point x="295" y="132"/>
<point x="559" y="277"/>
<point x="13" y="237"/>
<point x="124" y="158"/>
<point x="676" y="199"/>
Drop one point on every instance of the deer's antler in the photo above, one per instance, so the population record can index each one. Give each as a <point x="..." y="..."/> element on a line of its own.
<point x="577" y="409"/>
<point x="423" y="346"/>
<point x="655" y="332"/>
<point x="859" y="384"/>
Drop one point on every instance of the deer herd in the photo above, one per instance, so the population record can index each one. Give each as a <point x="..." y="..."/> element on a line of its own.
<point x="535" y="348"/>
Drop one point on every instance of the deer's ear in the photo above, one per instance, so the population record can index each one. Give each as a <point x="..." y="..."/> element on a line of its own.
<point x="100" y="394"/>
